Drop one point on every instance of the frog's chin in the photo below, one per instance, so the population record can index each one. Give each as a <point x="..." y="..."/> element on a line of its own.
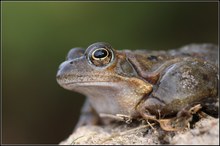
<point x="95" y="89"/>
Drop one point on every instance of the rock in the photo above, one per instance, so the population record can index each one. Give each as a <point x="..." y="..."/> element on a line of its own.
<point x="205" y="131"/>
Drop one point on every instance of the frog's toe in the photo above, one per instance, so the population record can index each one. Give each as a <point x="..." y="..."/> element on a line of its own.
<point x="189" y="111"/>
<point x="173" y="124"/>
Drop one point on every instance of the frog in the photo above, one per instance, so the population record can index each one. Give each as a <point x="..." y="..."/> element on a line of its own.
<point x="164" y="86"/>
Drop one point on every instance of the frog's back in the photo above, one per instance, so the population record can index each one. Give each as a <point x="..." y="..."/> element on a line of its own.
<point x="208" y="52"/>
<point x="150" y="60"/>
<point x="186" y="83"/>
<point x="181" y="77"/>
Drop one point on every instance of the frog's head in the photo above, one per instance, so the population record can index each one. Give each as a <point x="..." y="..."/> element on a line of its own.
<point x="98" y="70"/>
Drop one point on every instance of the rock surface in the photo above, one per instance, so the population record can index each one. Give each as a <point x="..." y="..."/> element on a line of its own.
<point x="205" y="131"/>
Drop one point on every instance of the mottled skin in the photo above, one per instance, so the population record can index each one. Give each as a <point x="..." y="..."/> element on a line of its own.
<point x="164" y="86"/>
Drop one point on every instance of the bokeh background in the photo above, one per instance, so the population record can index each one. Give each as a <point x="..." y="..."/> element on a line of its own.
<point x="37" y="36"/>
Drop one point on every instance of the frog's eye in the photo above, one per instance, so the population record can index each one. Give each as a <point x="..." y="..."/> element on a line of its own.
<point x="100" y="56"/>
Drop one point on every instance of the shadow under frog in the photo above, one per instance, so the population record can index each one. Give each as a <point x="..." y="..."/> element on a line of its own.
<point x="164" y="86"/>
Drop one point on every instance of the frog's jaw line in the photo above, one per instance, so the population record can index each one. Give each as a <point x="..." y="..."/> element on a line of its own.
<point x="88" y="84"/>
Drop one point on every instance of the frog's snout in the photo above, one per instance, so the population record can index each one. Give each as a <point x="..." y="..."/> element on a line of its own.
<point x="63" y="69"/>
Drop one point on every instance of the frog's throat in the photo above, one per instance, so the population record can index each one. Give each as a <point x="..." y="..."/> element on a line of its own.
<point x="113" y="97"/>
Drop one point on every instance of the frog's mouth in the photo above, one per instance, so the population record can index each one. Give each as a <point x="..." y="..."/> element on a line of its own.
<point x="74" y="81"/>
<point x="97" y="84"/>
<point x="101" y="84"/>
<point x="90" y="87"/>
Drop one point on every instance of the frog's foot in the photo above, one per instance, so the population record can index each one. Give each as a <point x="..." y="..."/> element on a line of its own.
<point x="173" y="124"/>
<point x="118" y="117"/>
<point x="165" y="124"/>
<point x="181" y="121"/>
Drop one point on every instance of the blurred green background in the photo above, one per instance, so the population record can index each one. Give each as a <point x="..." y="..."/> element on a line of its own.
<point x="38" y="35"/>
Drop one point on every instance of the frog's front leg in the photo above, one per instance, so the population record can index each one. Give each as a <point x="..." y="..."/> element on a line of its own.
<point x="144" y="112"/>
<point x="146" y="115"/>
<point x="88" y="116"/>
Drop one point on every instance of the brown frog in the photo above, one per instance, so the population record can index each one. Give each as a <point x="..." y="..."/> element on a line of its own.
<point x="163" y="86"/>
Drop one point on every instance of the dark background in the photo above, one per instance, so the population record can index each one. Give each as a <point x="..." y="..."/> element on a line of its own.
<point x="37" y="35"/>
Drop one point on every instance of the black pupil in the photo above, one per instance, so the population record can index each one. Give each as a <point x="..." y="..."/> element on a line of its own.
<point x="100" y="53"/>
